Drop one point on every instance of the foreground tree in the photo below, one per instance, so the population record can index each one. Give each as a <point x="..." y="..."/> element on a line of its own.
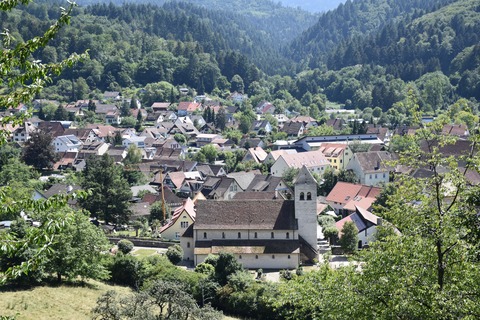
<point x="109" y="190"/>
<point x="349" y="237"/>
<point x="163" y="300"/>
<point x="39" y="151"/>
<point x="24" y="77"/>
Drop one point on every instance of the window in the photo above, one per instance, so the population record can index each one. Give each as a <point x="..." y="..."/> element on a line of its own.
<point x="384" y="175"/>
<point x="323" y="168"/>
<point x="272" y="235"/>
<point x="273" y="256"/>
<point x="188" y="244"/>
<point x="255" y="235"/>
<point x="204" y="235"/>
<point x="309" y="196"/>
<point x="375" y="176"/>
<point x="184" y="224"/>
<point x="239" y="235"/>
<point x="302" y="196"/>
<point x="335" y="161"/>
<point x="177" y="235"/>
<point x="240" y="257"/>
<point x="370" y="176"/>
<point x="223" y="235"/>
<point x="256" y="256"/>
<point x="288" y="235"/>
<point x="288" y="256"/>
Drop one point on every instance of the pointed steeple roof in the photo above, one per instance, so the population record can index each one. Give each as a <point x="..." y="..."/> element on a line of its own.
<point x="304" y="176"/>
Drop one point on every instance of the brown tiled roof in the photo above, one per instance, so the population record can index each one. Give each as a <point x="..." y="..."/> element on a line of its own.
<point x="374" y="161"/>
<point x="343" y="192"/>
<point x="234" y="214"/>
<point x="55" y="129"/>
<point x="250" y="246"/>
<point x="337" y="123"/>
<point x="255" y="195"/>
<point x="459" y="130"/>
<point x="262" y="182"/>
<point x="292" y="127"/>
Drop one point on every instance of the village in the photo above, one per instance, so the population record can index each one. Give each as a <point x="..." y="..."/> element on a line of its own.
<point x="264" y="209"/>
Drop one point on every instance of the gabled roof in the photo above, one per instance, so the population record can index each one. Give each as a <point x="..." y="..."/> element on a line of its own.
<point x="81" y="133"/>
<point x="55" y="129"/>
<point x="374" y="161"/>
<point x="245" y="214"/>
<point x="244" y="179"/>
<point x="337" y="123"/>
<point x="188" y="207"/>
<point x="177" y="178"/>
<point x="264" y="183"/>
<point x="292" y="128"/>
<point x="188" y="106"/>
<point x="258" y="154"/>
<point x="308" y="159"/>
<point x="160" y="106"/>
<point x="332" y="149"/>
<point x="459" y="130"/>
<point x="345" y="192"/>
<point x="277" y="153"/>
<point x="103" y="130"/>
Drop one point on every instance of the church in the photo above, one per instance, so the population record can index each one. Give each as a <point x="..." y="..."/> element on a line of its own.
<point x="268" y="234"/>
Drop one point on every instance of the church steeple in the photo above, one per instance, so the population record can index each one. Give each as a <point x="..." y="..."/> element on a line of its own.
<point x="306" y="206"/>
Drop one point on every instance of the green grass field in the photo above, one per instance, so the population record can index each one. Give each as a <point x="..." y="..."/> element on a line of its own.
<point x="54" y="303"/>
<point x="62" y="302"/>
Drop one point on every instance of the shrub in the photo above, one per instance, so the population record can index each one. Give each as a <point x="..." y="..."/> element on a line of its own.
<point x="326" y="221"/>
<point x="125" y="246"/>
<point x="205" y="268"/>
<point x="175" y="254"/>
<point x="127" y="270"/>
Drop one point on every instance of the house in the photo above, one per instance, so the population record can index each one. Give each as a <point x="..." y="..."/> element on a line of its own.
<point x="366" y="223"/>
<point x="68" y="143"/>
<point x="22" y="134"/>
<point x="138" y="141"/>
<point x="261" y="127"/>
<point x="459" y="130"/>
<point x="206" y="138"/>
<point x="274" y="155"/>
<point x="269" y="234"/>
<point x="337" y="124"/>
<point x="97" y="148"/>
<point x="315" y="161"/>
<point x="345" y="196"/>
<point x="104" y="132"/>
<point x="251" y="142"/>
<point x="371" y="168"/>
<point x="54" y="128"/>
<point x="265" y="107"/>
<point x="237" y="97"/>
<point x="255" y="154"/>
<point x="220" y="188"/>
<point x="86" y="135"/>
<point x="307" y="121"/>
<point x="182" y="218"/>
<point x="185" y="108"/>
<point x="281" y="119"/>
<point x="293" y="129"/>
<point x="384" y="134"/>
<point x="338" y="154"/>
<point x="112" y="95"/>
<point x="160" y="106"/>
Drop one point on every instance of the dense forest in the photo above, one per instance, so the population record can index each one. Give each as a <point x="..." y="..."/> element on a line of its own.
<point x="365" y="53"/>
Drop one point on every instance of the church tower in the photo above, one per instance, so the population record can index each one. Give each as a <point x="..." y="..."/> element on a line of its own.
<point x="306" y="206"/>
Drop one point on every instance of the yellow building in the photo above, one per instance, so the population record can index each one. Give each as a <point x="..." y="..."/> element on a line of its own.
<point x="338" y="154"/>
<point x="182" y="218"/>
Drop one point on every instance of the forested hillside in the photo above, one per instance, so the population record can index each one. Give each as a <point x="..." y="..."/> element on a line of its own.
<point x="353" y="18"/>
<point x="313" y="5"/>
<point x="363" y="54"/>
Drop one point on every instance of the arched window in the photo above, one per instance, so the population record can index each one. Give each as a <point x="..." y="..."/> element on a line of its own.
<point x="239" y="235"/>
<point x="188" y="244"/>
<point x="204" y="235"/>
<point x="256" y="256"/>
<point x="223" y="235"/>
<point x="273" y="256"/>
<point x="255" y="235"/>
<point x="309" y="196"/>
<point x="240" y="257"/>
<point x="302" y="196"/>
<point x="272" y="235"/>
<point x="288" y="235"/>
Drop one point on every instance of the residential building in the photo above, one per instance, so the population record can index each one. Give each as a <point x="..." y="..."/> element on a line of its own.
<point x="345" y="197"/>
<point x="256" y="154"/>
<point x="182" y="218"/>
<point x="315" y="161"/>
<point x="372" y="168"/>
<point x="68" y="143"/>
<point x="366" y="223"/>
<point x="338" y="154"/>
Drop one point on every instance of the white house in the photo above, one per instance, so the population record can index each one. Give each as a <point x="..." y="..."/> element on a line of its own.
<point x="366" y="223"/>
<point x="371" y="168"/>
<point x="138" y="141"/>
<point x="269" y="234"/>
<point x="68" y="143"/>
<point x="315" y="161"/>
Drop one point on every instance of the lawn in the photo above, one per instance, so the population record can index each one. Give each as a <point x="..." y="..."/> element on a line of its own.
<point x="47" y="302"/>
<point x="142" y="253"/>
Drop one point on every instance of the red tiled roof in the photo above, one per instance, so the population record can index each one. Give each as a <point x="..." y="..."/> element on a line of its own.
<point x="344" y="192"/>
